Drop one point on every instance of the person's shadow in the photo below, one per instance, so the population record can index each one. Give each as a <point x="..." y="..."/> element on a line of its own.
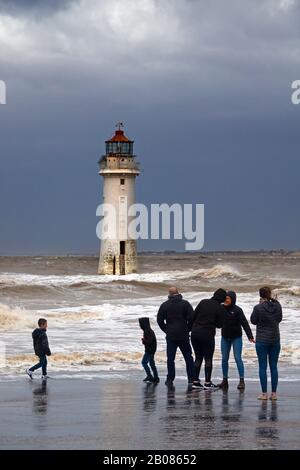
<point x="40" y="398"/>
<point x="150" y="399"/>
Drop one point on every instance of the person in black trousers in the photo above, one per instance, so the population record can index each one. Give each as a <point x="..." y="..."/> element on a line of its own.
<point x="208" y="316"/>
<point x="175" y="319"/>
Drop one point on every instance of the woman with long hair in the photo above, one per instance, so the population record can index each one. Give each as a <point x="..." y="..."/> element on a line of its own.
<point x="266" y="316"/>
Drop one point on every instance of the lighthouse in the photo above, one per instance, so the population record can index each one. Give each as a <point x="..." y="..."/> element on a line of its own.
<point x="119" y="169"/>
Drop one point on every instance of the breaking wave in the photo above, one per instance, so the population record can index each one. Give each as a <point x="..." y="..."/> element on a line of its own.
<point x="293" y="290"/>
<point x="11" y="317"/>
<point x="16" y="317"/>
<point x="17" y="281"/>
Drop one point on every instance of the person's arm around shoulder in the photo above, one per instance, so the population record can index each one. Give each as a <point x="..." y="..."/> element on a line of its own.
<point x="196" y="311"/>
<point x="161" y="318"/>
<point x="245" y="324"/>
<point x="220" y="317"/>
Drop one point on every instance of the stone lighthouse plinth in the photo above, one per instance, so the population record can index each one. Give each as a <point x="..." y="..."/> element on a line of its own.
<point x="119" y="169"/>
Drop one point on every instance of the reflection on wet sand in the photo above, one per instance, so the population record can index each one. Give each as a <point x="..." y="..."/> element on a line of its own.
<point x="40" y="397"/>
<point x="114" y="414"/>
<point x="267" y="432"/>
<point x="150" y="399"/>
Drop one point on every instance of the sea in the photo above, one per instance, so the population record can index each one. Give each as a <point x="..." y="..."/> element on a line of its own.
<point x="93" y="319"/>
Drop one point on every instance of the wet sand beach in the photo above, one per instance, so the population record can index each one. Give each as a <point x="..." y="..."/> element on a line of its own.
<point x="122" y="413"/>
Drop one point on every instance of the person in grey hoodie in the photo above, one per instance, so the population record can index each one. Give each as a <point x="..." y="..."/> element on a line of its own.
<point x="266" y="316"/>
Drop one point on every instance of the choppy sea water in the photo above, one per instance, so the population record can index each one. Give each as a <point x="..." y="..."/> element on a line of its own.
<point x="93" y="320"/>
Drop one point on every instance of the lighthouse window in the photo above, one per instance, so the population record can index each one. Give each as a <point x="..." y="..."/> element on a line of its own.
<point x="122" y="181"/>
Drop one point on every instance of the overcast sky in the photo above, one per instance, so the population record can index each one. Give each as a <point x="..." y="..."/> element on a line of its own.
<point x="204" y="89"/>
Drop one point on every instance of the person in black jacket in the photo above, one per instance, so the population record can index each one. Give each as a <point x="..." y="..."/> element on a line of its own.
<point x="149" y="341"/>
<point x="266" y="316"/>
<point x="234" y="320"/>
<point x="208" y="316"/>
<point x="175" y="319"/>
<point x="41" y="348"/>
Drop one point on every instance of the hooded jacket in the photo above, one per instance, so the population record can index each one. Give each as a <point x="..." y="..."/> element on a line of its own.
<point x="175" y="317"/>
<point x="234" y="320"/>
<point x="149" y="338"/>
<point x="40" y="342"/>
<point x="209" y="314"/>
<point x="267" y="316"/>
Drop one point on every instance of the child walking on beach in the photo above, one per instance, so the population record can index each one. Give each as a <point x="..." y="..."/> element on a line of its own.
<point x="149" y="341"/>
<point x="41" y="348"/>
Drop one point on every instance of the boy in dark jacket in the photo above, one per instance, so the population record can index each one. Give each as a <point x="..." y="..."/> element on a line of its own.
<point x="149" y="341"/>
<point x="234" y="321"/>
<point x="41" y="348"/>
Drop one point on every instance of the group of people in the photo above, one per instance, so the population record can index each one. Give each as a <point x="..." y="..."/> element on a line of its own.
<point x="181" y="324"/>
<point x="177" y="319"/>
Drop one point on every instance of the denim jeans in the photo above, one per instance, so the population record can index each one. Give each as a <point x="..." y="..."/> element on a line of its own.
<point x="267" y="352"/>
<point x="186" y="350"/>
<point x="149" y="359"/>
<point x="42" y="364"/>
<point x="237" y="344"/>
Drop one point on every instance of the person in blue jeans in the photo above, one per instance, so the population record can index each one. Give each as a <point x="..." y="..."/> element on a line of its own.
<point x="266" y="316"/>
<point x="175" y="317"/>
<point x="232" y="336"/>
<point x="149" y="341"/>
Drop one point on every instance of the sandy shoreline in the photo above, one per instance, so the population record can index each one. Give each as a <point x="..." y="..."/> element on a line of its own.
<point x="112" y="413"/>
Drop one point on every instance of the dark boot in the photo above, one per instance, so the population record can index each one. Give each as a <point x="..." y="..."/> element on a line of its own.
<point x="224" y="384"/>
<point x="241" y="385"/>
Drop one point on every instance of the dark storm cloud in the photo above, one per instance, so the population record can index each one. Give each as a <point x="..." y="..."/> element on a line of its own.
<point x="40" y="7"/>
<point x="203" y="88"/>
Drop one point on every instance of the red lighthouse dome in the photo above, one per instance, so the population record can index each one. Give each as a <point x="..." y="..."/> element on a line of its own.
<point x="119" y="144"/>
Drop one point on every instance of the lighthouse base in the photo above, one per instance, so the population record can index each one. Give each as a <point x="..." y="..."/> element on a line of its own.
<point x="116" y="263"/>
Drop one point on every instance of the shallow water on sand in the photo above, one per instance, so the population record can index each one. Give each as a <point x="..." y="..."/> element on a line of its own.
<point x="124" y="414"/>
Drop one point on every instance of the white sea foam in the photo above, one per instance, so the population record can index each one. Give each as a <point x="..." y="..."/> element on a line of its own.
<point x="17" y="279"/>
<point x="13" y="317"/>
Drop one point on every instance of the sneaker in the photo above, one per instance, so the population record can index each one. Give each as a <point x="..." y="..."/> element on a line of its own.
<point x="148" y="379"/>
<point x="210" y="386"/>
<point x="169" y="383"/>
<point x="29" y="373"/>
<point x="45" y="377"/>
<point x="263" y="396"/>
<point x="156" y="380"/>
<point x="273" y="396"/>
<point x="197" y="386"/>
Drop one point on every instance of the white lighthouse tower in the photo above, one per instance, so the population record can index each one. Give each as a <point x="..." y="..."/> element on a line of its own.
<point x="119" y="170"/>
